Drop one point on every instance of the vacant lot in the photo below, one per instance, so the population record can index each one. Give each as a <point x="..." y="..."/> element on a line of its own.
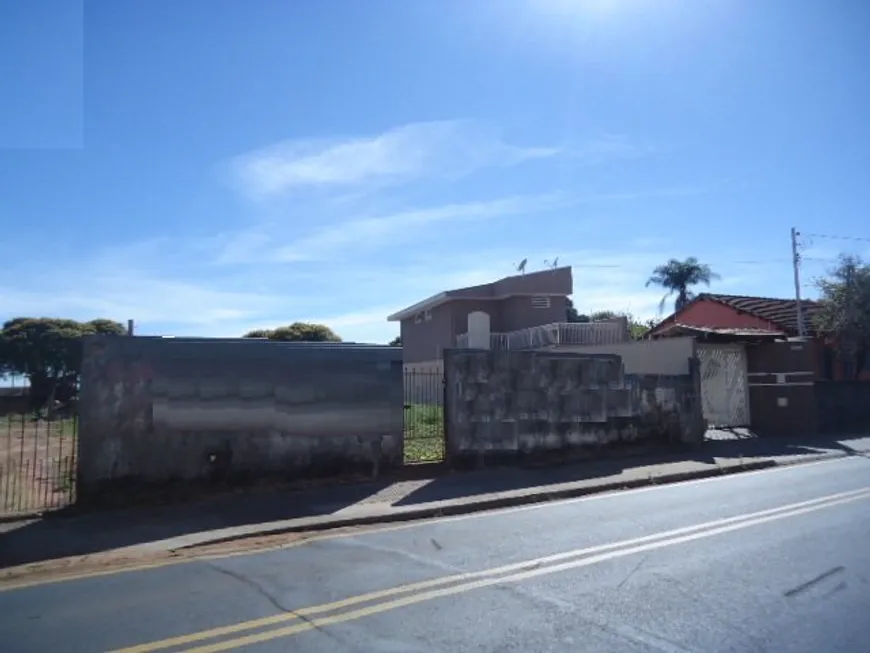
<point x="424" y="433"/>
<point x="37" y="463"/>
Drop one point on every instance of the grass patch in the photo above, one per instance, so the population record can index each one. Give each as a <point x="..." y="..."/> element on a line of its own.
<point x="424" y="433"/>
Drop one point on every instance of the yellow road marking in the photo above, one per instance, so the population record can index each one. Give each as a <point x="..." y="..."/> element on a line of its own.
<point x="471" y="576"/>
<point x="318" y="623"/>
<point x="62" y="578"/>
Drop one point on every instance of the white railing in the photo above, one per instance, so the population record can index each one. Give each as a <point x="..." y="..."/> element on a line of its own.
<point x="556" y="334"/>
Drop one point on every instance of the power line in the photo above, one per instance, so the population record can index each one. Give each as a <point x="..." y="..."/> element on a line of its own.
<point x="766" y="261"/>
<point x="835" y="237"/>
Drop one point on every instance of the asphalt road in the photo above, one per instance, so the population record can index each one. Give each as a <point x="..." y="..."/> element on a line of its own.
<point x="770" y="561"/>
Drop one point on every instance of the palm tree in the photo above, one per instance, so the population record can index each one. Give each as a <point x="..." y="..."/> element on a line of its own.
<point x="678" y="277"/>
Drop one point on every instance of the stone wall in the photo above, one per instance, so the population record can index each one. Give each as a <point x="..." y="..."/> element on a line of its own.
<point x="156" y="411"/>
<point x="503" y="402"/>
<point x="843" y="406"/>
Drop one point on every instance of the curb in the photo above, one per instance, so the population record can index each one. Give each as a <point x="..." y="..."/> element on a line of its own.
<point x="494" y="503"/>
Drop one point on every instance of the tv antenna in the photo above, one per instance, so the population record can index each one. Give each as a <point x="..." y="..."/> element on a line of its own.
<point x="521" y="268"/>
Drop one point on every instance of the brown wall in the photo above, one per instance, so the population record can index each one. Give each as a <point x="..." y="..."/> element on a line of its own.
<point x="519" y="313"/>
<point x="843" y="406"/>
<point x="461" y="309"/>
<point x="558" y="281"/>
<point x="781" y="387"/>
<point x="425" y="341"/>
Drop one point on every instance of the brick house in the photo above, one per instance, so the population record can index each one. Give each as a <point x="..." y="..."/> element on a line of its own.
<point x="765" y="314"/>
<point x="763" y="318"/>
<point x="508" y="305"/>
<point x="754" y="369"/>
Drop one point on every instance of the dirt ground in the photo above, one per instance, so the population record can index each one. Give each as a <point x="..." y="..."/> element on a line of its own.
<point x="36" y="464"/>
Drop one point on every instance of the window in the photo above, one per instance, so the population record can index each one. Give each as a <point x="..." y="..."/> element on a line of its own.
<point x="427" y="315"/>
<point x="540" y="302"/>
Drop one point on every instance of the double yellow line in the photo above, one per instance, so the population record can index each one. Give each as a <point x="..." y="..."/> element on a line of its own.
<point x="315" y="617"/>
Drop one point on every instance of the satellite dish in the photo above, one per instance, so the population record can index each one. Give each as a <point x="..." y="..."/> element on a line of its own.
<point x="552" y="264"/>
<point x="521" y="268"/>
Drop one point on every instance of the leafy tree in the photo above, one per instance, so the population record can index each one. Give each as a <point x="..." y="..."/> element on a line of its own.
<point x="258" y="333"/>
<point x="844" y="314"/>
<point x="47" y="351"/>
<point x="297" y="332"/>
<point x="396" y="342"/>
<point x="677" y="277"/>
<point x="636" y="327"/>
<point x="573" y="315"/>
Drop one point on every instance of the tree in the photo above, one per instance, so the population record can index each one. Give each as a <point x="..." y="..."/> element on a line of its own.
<point x="844" y="313"/>
<point x="677" y="277"/>
<point x="600" y="316"/>
<point x="636" y="327"/>
<point x="396" y="342"/>
<point x="297" y="332"/>
<point x="48" y="352"/>
<point x="572" y="314"/>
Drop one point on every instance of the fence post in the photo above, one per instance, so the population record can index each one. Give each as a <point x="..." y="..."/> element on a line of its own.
<point x="445" y="403"/>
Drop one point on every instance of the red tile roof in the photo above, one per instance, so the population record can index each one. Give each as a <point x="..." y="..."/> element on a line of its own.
<point x="781" y="312"/>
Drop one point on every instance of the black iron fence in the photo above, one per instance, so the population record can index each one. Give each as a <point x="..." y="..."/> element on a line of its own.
<point x="424" y="417"/>
<point x="37" y="463"/>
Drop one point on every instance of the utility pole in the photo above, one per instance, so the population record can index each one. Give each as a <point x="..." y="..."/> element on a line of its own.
<point x="796" y="263"/>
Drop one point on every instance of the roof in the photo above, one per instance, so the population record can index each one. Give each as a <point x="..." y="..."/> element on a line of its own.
<point x="781" y="313"/>
<point x="743" y="332"/>
<point x="553" y="282"/>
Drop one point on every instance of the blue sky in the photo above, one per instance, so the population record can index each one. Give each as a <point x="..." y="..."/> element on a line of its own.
<point x="209" y="166"/>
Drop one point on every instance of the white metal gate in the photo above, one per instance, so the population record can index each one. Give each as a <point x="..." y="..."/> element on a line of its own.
<point x="724" y="389"/>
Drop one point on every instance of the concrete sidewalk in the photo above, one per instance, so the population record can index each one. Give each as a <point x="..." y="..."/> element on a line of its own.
<point x="144" y="531"/>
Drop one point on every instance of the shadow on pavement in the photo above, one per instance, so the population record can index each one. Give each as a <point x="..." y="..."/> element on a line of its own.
<point x="523" y="478"/>
<point x="61" y="535"/>
<point x="86" y="533"/>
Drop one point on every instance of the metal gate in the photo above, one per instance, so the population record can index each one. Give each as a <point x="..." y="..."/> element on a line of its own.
<point x="424" y="416"/>
<point x="724" y="387"/>
<point x="37" y="463"/>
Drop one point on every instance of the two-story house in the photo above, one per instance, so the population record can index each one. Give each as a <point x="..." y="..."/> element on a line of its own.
<point x="507" y="305"/>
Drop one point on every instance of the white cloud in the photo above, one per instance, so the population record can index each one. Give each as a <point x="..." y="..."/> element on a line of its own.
<point x="149" y="300"/>
<point x="607" y="148"/>
<point x="273" y="271"/>
<point x="373" y="232"/>
<point x="397" y="155"/>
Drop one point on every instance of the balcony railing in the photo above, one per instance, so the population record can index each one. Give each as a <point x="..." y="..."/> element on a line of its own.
<point x="556" y="335"/>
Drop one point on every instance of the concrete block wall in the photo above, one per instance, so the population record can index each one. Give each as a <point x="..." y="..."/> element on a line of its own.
<point x="502" y="402"/>
<point x="156" y="411"/>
